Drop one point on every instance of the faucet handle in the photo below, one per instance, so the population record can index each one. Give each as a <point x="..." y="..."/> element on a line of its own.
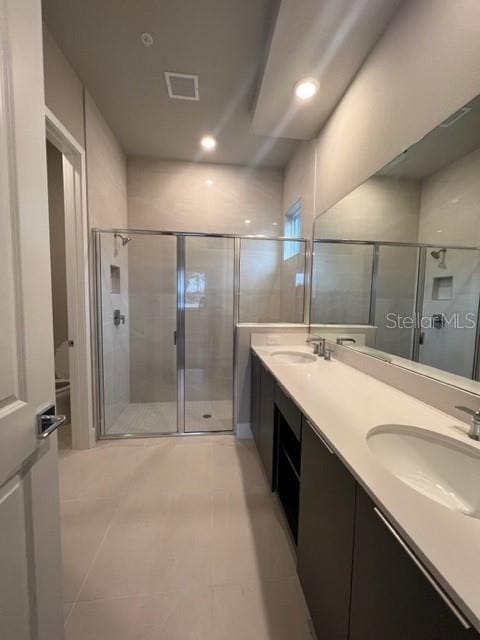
<point x="475" y="413"/>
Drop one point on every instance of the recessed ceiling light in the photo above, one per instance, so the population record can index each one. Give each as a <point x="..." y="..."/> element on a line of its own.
<point x="275" y="224"/>
<point x="306" y="88"/>
<point x="209" y="182"/>
<point x="247" y="221"/>
<point x="208" y="143"/>
<point x="147" y="39"/>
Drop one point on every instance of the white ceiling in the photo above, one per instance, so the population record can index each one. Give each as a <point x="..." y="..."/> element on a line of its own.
<point x="223" y="41"/>
<point x="235" y="47"/>
<point x="326" y="39"/>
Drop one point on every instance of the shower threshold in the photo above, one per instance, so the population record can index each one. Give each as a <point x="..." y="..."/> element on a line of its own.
<point x="160" y="418"/>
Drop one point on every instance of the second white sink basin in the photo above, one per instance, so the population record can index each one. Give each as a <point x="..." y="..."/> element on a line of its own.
<point x="293" y="357"/>
<point x="440" y="468"/>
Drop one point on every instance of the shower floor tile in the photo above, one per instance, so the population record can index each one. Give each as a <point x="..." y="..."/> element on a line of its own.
<point x="161" y="417"/>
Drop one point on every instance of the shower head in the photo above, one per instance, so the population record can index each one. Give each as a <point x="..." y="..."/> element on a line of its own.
<point x="125" y="239"/>
<point x="440" y="254"/>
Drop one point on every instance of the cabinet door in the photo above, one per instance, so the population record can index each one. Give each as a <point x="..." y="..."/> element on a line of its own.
<point x="391" y="598"/>
<point x="325" y="536"/>
<point x="255" y="397"/>
<point x="266" y="435"/>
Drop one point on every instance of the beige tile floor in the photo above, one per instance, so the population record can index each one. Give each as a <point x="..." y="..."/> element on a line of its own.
<point x="161" y="417"/>
<point x="175" y="539"/>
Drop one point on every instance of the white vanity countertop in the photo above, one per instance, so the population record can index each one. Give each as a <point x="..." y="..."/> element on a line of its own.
<point x="344" y="404"/>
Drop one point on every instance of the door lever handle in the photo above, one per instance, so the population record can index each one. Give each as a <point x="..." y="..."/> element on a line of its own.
<point x="48" y="422"/>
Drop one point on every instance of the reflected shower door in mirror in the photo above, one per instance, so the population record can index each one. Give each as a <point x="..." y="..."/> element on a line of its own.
<point x="420" y="216"/>
<point x="341" y="283"/>
<point x="395" y="288"/>
<point x="136" y="323"/>
<point x="209" y="337"/>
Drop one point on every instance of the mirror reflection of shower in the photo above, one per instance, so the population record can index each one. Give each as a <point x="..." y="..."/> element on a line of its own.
<point x="440" y="254"/>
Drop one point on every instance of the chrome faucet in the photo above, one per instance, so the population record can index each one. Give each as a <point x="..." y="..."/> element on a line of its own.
<point x="318" y="344"/>
<point x="474" y="432"/>
<point x="343" y="340"/>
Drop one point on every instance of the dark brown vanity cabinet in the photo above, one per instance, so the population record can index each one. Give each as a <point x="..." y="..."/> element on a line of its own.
<point x="391" y="597"/>
<point x="325" y="536"/>
<point x="262" y="415"/>
<point x="288" y="430"/>
<point x="360" y="578"/>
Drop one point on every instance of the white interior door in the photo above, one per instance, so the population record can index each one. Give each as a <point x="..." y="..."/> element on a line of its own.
<point x="30" y="568"/>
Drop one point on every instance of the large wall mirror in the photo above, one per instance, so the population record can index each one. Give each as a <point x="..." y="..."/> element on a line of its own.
<point x="401" y="253"/>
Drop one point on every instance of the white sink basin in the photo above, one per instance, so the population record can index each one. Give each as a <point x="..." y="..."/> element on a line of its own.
<point x="293" y="357"/>
<point x="442" y="469"/>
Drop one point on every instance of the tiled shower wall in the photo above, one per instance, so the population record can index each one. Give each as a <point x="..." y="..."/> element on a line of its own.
<point x="116" y="371"/>
<point x="153" y="313"/>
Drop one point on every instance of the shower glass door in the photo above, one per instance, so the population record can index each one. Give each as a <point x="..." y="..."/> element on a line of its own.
<point x="208" y="327"/>
<point x="137" y="320"/>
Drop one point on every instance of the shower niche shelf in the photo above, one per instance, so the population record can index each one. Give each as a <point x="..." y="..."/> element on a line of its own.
<point x="114" y="279"/>
<point x="442" y="288"/>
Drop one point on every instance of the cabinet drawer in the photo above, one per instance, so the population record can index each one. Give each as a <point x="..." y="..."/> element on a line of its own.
<point x="289" y="410"/>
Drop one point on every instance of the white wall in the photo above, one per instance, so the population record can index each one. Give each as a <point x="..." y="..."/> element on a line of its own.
<point x="106" y="171"/>
<point x="425" y="67"/>
<point x="175" y="196"/>
<point x="63" y="89"/>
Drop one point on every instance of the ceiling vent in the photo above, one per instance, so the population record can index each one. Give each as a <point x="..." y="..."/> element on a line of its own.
<point x="182" y="86"/>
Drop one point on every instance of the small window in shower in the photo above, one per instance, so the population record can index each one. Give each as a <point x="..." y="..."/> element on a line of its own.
<point x="195" y="290"/>
<point x="114" y="279"/>
<point x="442" y="288"/>
<point x="293" y="229"/>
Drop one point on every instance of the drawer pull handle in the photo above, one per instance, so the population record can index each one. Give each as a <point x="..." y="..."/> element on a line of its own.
<point x="463" y="621"/>
<point x="322" y="440"/>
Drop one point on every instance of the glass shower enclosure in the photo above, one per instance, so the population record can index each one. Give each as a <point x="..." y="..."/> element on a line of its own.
<point x="165" y="332"/>
<point x="167" y="306"/>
